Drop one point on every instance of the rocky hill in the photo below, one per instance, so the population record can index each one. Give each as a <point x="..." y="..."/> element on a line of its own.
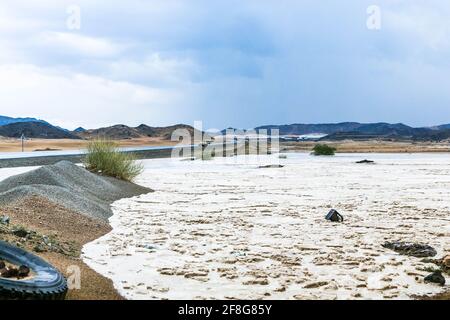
<point x="301" y="129"/>
<point x="8" y="120"/>
<point x="120" y="132"/>
<point x="117" y="132"/>
<point x="33" y="129"/>
<point x="443" y="127"/>
<point x="365" y="131"/>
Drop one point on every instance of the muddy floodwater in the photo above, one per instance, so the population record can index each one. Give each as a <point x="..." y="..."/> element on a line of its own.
<point x="226" y="228"/>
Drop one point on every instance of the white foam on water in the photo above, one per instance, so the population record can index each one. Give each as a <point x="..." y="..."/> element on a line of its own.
<point x="228" y="229"/>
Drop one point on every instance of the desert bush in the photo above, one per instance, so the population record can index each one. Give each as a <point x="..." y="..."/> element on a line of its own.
<point x="104" y="157"/>
<point x="323" y="150"/>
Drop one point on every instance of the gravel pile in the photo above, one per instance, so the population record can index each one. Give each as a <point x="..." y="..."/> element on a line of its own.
<point x="72" y="186"/>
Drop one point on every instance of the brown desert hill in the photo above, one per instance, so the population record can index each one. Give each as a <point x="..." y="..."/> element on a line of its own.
<point x="35" y="129"/>
<point x="120" y="132"/>
<point x="166" y="132"/>
<point x="116" y="132"/>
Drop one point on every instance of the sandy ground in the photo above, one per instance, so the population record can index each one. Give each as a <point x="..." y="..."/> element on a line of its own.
<point x="221" y="229"/>
<point x="14" y="145"/>
<point x="71" y="230"/>
<point x="373" y="146"/>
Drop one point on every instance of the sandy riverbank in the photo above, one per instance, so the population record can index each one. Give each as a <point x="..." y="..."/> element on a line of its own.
<point x="216" y="229"/>
<point x="372" y="146"/>
<point x="14" y="145"/>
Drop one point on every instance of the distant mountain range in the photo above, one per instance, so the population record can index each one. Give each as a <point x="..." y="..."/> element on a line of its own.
<point x="7" y="120"/>
<point x="363" y="131"/>
<point x="35" y="128"/>
<point x="124" y="132"/>
<point x="443" y="127"/>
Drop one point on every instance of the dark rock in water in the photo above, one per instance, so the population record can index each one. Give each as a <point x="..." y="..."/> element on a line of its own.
<point x="365" y="161"/>
<point x="411" y="249"/>
<point x="271" y="166"/>
<point x="2" y="264"/>
<point x="435" y="277"/>
<point x="334" y="216"/>
<point x="443" y="263"/>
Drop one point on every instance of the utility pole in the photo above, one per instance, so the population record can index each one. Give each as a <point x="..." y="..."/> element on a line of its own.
<point x="23" y="141"/>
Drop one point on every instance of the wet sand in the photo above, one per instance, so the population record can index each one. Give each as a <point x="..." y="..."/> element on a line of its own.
<point x="220" y="229"/>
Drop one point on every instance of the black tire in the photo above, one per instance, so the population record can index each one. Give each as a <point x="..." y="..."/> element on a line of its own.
<point x="46" y="284"/>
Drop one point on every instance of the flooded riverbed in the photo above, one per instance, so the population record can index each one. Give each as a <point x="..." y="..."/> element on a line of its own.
<point x="228" y="229"/>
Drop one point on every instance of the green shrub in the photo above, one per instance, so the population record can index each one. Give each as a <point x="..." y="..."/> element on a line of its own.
<point x="323" y="150"/>
<point x="104" y="157"/>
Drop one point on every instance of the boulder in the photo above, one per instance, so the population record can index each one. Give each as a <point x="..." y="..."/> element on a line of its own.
<point x="271" y="166"/>
<point x="20" y="232"/>
<point x="365" y="161"/>
<point x="411" y="249"/>
<point x="435" y="277"/>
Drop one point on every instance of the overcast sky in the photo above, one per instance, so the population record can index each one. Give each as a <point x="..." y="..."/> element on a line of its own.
<point x="229" y="63"/>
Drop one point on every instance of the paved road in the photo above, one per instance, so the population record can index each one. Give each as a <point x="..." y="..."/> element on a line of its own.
<point x="41" y="159"/>
<point x="77" y="158"/>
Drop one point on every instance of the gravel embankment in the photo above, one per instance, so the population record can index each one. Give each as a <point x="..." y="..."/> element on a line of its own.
<point x="58" y="235"/>
<point x="71" y="186"/>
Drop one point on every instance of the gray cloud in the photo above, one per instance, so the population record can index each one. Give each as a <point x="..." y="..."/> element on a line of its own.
<point x="239" y="63"/>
